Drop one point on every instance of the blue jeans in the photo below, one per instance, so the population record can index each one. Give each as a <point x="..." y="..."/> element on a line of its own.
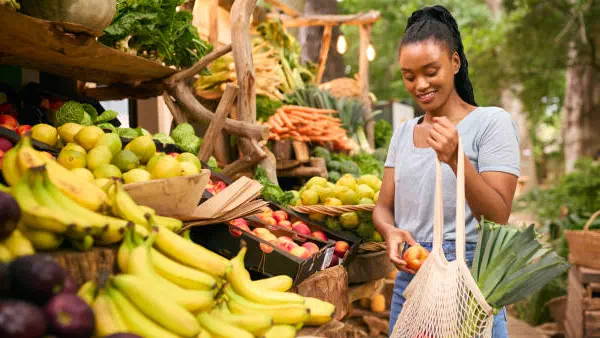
<point x="403" y="279"/>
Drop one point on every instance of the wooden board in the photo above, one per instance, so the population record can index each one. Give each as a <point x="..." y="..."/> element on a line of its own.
<point x="586" y="275"/>
<point x="39" y="44"/>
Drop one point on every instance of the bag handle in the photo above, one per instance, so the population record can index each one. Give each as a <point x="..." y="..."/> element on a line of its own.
<point x="438" y="223"/>
<point x="586" y="227"/>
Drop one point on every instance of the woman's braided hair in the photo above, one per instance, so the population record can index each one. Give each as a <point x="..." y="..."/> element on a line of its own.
<point x="437" y="23"/>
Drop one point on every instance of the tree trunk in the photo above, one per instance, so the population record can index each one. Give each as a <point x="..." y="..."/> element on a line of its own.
<point x="581" y="113"/>
<point x="310" y="39"/>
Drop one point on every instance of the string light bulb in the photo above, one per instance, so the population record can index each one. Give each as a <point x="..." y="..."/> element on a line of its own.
<point x="342" y="45"/>
<point x="371" y="53"/>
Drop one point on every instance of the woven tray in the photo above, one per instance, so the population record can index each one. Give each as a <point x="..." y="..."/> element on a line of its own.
<point x="584" y="245"/>
<point x="332" y="211"/>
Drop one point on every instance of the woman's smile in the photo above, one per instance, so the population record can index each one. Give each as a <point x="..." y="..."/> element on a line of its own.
<point x="427" y="97"/>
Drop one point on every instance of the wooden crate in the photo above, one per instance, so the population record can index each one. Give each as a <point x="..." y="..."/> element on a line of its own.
<point x="583" y="303"/>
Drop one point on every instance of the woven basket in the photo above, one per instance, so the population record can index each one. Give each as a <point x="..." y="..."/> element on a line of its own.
<point x="372" y="247"/>
<point x="342" y="87"/>
<point x="332" y="211"/>
<point x="584" y="245"/>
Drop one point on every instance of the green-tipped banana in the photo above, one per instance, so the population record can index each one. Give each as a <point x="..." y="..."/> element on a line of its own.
<point x="140" y="264"/>
<point x="83" y="244"/>
<point x="108" y="319"/>
<point x="280" y="283"/>
<point x="158" y="306"/>
<point x="240" y="280"/>
<point x="220" y="328"/>
<point x="321" y="312"/>
<point x="42" y="240"/>
<point x="281" y="313"/>
<point x="88" y="292"/>
<point x="253" y="323"/>
<point x="124" y="206"/>
<point x="136" y="321"/>
<point x="18" y="244"/>
<point x="184" y="276"/>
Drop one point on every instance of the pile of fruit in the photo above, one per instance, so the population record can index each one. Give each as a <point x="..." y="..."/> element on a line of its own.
<point x="12" y="241"/>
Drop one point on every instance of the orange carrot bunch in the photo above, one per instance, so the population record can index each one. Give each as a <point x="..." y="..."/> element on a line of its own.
<point x="309" y="125"/>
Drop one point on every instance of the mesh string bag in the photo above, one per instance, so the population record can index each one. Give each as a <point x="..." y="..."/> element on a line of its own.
<point x="443" y="300"/>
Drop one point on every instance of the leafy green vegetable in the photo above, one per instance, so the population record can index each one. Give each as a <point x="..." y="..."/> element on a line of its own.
<point x="87" y="120"/>
<point x="322" y="152"/>
<point x="163" y="138"/>
<point x="156" y="29"/>
<point x="107" y="116"/>
<point x="190" y="144"/>
<point x="380" y="154"/>
<point x="383" y="134"/>
<point x="70" y="111"/>
<point x="212" y="163"/>
<point x="349" y="167"/>
<point x="181" y="131"/>
<point x="334" y="165"/>
<point x="334" y="176"/>
<point x="266" y="107"/>
<point x="92" y="112"/>
<point x="368" y="164"/>
<point x="107" y="126"/>
<point x="271" y="191"/>
<point x="128" y="132"/>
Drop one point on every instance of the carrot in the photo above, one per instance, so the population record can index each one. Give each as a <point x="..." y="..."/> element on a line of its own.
<point x="309" y="110"/>
<point x="303" y="115"/>
<point x="285" y="118"/>
<point x="277" y="119"/>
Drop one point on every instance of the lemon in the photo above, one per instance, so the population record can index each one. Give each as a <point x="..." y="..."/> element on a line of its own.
<point x="45" y="133"/>
<point x="189" y="157"/>
<point x="309" y="197"/>
<point x="165" y="167"/>
<point x="107" y="171"/>
<point x="365" y="191"/>
<point x="143" y="147"/>
<point x="188" y="168"/>
<point x="317" y="180"/>
<point x="83" y="173"/>
<point x="71" y="159"/>
<point x="153" y="160"/>
<point x="98" y="156"/>
<point x="126" y="160"/>
<point x="68" y="131"/>
<point x="136" y="175"/>
<point x="347" y="181"/>
<point x="75" y="147"/>
<point x="88" y="136"/>
<point x="376" y="197"/>
<point x="112" y="141"/>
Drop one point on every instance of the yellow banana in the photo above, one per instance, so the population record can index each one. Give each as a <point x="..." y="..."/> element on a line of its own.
<point x="278" y="283"/>
<point x="42" y="240"/>
<point x="35" y="214"/>
<point x="203" y="334"/>
<point x="241" y="283"/>
<point x="108" y="320"/>
<point x="157" y="306"/>
<point x="321" y="312"/>
<point x="4" y="188"/>
<point x="5" y="255"/>
<point x="281" y="313"/>
<point x="217" y="327"/>
<point x="190" y="253"/>
<point x="140" y="264"/>
<point x="253" y="323"/>
<point x="125" y="207"/>
<point x="10" y="169"/>
<point x="147" y="210"/>
<point x="280" y="331"/>
<point x="184" y="276"/>
<point x="88" y="292"/>
<point x="170" y="223"/>
<point x="125" y="251"/>
<point x="136" y="321"/>
<point x="18" y="245"/>
<point x="85" y="193"/>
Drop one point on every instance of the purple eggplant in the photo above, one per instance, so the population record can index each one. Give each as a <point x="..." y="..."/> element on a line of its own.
<point x="19" y="319"/>
<point x="36" y="278"/>
<point x="10" y="215"/>
<point x="69" y="316"/>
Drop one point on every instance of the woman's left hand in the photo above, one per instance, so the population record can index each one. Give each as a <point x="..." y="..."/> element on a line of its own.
<point x="443" y="138"/>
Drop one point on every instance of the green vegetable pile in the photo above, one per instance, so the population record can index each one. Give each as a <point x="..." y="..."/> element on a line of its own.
<point x="156" y="30"/>
<point x="84" y="114"/>
<point x="271" y="191"/>
<point x="357" y="165"/>
<point x="383" y="134"/>
<point x="356" y="223"/>
<point x="185" y="137"/>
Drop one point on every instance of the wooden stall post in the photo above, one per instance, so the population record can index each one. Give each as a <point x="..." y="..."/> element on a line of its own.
<point x="363" y="71"/>
<point x="323" y="55"/>
<point x="213" y="28"/>
<point x="214" y="129"/>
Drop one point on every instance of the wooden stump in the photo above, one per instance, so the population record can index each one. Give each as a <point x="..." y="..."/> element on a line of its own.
<point x="96" y="264"/>
<point x="330" y="285"/>
<point x="368" y="267"/>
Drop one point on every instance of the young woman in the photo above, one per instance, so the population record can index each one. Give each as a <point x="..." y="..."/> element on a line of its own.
<point x="435" y="73"/>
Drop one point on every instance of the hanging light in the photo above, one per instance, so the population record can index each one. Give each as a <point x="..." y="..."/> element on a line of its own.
<point x="371" y="53"/>
<point x="342" y="45"/>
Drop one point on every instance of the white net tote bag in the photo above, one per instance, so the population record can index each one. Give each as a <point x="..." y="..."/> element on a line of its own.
<point x="443" y="300"/>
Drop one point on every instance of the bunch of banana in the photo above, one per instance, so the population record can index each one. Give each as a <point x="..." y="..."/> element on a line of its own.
<point x="15" y="245"/>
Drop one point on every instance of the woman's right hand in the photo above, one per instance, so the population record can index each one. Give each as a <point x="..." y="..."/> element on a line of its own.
<point x="394" y="238"/>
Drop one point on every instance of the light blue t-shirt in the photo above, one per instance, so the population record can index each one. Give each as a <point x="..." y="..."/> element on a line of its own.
<point x="491" y="142"/>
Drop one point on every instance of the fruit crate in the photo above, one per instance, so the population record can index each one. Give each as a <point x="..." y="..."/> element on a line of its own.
<point x="263" y="259"/>
<point x="583" y="303"/>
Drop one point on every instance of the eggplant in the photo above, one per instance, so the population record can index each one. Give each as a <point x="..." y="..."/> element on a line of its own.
<point x="70" y="286"/>
<point x="4" y="280"/>
<point x="69" y="316"/>
<point x="10" y="215"/>
<point x="123" y="335"/>
<point x="36" y="278"/>
<point x="19" y="319"/>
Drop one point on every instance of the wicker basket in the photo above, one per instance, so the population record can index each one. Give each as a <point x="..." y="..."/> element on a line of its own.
<point x="372" y="247"/>
<point x="332" y="211"/>
<point x="584" y="245"/>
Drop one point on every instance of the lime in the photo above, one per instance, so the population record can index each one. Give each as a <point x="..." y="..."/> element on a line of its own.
<point x="189" y="157"/>
<point x="112" y="141"/>
<point x="107" y="171"/>
<point x="88" y="136"/>
<point x="71" y="159"/>
<point x="165" y="167"/>
<point x="68" y="131"/>
<point x="349" y="197"/>
<point x="126" y="160"/>
<point x="75" y="147"/>
<point x="143" y="147"/>
<point x="98" y="156"/>
<point x="317" y="180"/>
<point x="371" y="180"/>
<point x="310" y="197"/>
<point x="45" y="133"/>
<point x="188" y="168"/>
<point x="365" y="200"/>
<point x="136" y="175"/>
<point x="83" y="173"/>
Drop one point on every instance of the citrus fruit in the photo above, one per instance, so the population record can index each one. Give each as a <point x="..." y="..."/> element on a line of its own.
<point x="153" y="160"/>
<point x="136" y="175"/>
<point x="83" y="173"/>
<point x="98" y="156"/>
<point x="126" y="160"/>
<point x="189" y="157"/>
<point x="188" y="168"/>
<point x="365" y="191"/>
<point x="45" y="133"/>
<point x="107" y="171"/>
<point x="88" y="136"/>
<point x="70" y="158"/>
<point x="166" y="167"/>
<point x="143" y="147"/>
<point x="75" y="147"/>
<point x="103" y="183"/>
<point x="112" y="141"/>
<point x="68" y="131"/>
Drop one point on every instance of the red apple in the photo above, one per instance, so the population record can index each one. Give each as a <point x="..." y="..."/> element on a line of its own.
<point x="300" y="252"/>
<point x="280" y="245"/>
<point x="288" y="243"/>
<point x="285" y="239"/>
<point x="23" y="129"/>
<point x="311" y="247"/>
<point x="280" y="215"/>
<point x="266" y="248"/>
<point x="5" y="144"/>
<point x="335" y="261"/>
<point x="301" y="228"/>
<point x="8" y="121"/>
<point x="341" y="247"/>
<point x="320" y="235"/>
<point x="270" y="221"/>
<point x="239" y="223"/>
<point x="264" y="234"/>
<point x="415" y="256"/>
<point x="285" y="224"/>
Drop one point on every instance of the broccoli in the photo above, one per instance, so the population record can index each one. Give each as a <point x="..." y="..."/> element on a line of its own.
<point x="92" y="112"/>
<point x="70" y="111"/>
<point x="334" y="165"/>
<point x="106" y="116"/>
<point x="163" y="138"/>
<point x="182" y="130"/>
<point x="349" y="167"/>
<point x="334" y="176"/>
<point x="322" y="152"/>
